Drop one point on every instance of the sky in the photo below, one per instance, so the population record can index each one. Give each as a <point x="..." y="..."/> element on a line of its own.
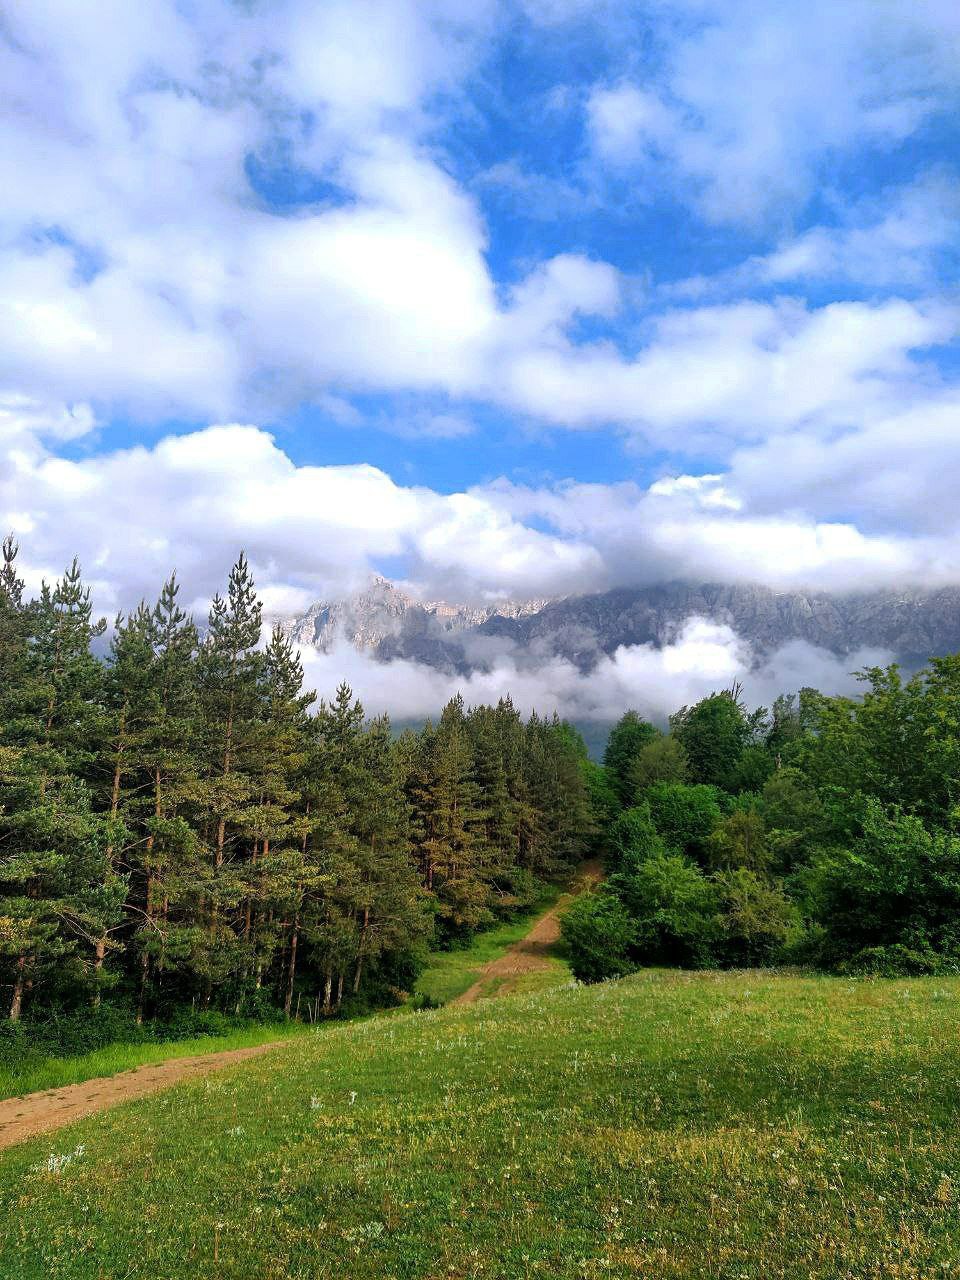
<point x="496" y="297"/>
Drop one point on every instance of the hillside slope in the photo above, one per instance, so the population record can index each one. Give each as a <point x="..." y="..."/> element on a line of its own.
<point x="668" y="1125"/>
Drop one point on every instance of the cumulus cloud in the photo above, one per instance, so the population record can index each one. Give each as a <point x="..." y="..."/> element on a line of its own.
<point x="217" y="213"/>
<point x="717" y="374"/>
<point x="192" y="501"/>
<point x="154" y="260"/>
<point x="700" y="529"/>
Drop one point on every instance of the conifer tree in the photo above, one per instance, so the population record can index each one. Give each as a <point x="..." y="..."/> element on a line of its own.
<point x="164" y="858"/>
<point x="229" y="675"/>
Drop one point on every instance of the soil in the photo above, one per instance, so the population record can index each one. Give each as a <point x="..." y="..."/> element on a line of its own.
<point x="37" y="1113"/>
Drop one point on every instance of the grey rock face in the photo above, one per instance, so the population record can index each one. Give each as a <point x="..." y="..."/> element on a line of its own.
<point x="912" y="624"/>
<point x="389" y="623"/>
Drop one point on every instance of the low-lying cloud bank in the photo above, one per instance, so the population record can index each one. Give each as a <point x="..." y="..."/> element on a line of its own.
<point x="706" y="656"/>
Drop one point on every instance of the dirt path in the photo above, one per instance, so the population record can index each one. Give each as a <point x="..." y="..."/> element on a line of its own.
<point x="532" y="952"/>
<point x="36" y="1113"/>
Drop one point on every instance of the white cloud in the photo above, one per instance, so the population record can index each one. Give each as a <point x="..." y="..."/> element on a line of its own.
<point x="739" y="371"/>
<point x="893" y="241"/>
<point x="143" y="272"/>
<point x="626" y="122"/>
<point x="193" y="501"/>
<point x="733" y="529"/>
<point x="704" y="657"/>
<point x="749" y="100"/>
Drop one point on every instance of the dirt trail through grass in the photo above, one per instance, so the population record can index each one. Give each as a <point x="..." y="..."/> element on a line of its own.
<point x="531" y="953"/>
<point x="38" y="1113"/>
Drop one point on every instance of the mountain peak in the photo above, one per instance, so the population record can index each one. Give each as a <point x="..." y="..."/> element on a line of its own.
<point x="383" y="618"/>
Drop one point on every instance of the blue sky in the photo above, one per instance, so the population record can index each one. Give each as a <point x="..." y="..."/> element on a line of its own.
<point x="503" y="297"/>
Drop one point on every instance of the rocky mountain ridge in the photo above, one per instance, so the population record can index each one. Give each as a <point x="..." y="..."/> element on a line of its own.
<point x="911" y="624"/>
<point x="388" y="622"/>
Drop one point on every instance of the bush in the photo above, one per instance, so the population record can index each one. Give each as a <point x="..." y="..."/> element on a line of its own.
<point x="897" y="961"/>
<point x="896" y="886"/>
<point x="756" y="919"/>
<point x="632" y="837"/>
<point x="752" y="770"/>
<point x="599" y="935"/>
<point x="740" y="841"/>
<point x="662" y="760"/>
<point x="674" y="907"/>
<point x="68" y="1035"/>
<point x="63" y="1035"/>
<point x="685" y="816"/>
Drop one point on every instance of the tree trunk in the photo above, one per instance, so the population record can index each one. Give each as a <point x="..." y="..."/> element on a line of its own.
<point x="17" y="1003"/>
<point x="339" y="990"/>
<point x="144" y="954"/>
<point x="291" y="966"/>
<point x="327" y="990"/>
<point x="227" y="762"/>
<point x="100" y="951"/>
<point x="363" y="934"/>
<point x="100" y="947"/>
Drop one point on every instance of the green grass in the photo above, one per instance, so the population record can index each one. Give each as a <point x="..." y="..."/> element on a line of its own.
<point x="450" y="973"/>
<point x="54" y="1073"/>
<point x="743" y="1126"/>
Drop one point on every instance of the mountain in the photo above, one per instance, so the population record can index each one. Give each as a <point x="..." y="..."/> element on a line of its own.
<point x="387" y="622"/>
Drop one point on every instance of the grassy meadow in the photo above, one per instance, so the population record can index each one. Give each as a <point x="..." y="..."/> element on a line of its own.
<point x="733" y="1125"/>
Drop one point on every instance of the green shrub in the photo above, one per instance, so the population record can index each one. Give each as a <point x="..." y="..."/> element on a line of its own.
<point x="632" y="837"/>
<point x="897" y="961"/>
<point x="897" y="885"/>
<point x="674" y="908"/>
<point x="662" y="760"/>
<point x="599" y="936"/>
<point x="756" y="919"/>
<point x="740" y="841"/>
<point x="685" y="816"/>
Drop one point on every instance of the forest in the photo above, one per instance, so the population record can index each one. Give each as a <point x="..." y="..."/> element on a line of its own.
<point x="823" y="833"/>
<point x="185" y="830"/>
<point x="183" y="827"/>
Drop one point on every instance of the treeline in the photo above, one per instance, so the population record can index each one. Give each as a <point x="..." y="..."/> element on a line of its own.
<point x="824" y="832"/>
<point x="181" y="825"/>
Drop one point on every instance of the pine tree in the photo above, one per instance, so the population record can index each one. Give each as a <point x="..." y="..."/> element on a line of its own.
<point x="167" y="870"/>
<point x="449" y="824"/>
<point x="229" y="672"/>
<point x="69" y="677"/>
<point x="127" y="698"/>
